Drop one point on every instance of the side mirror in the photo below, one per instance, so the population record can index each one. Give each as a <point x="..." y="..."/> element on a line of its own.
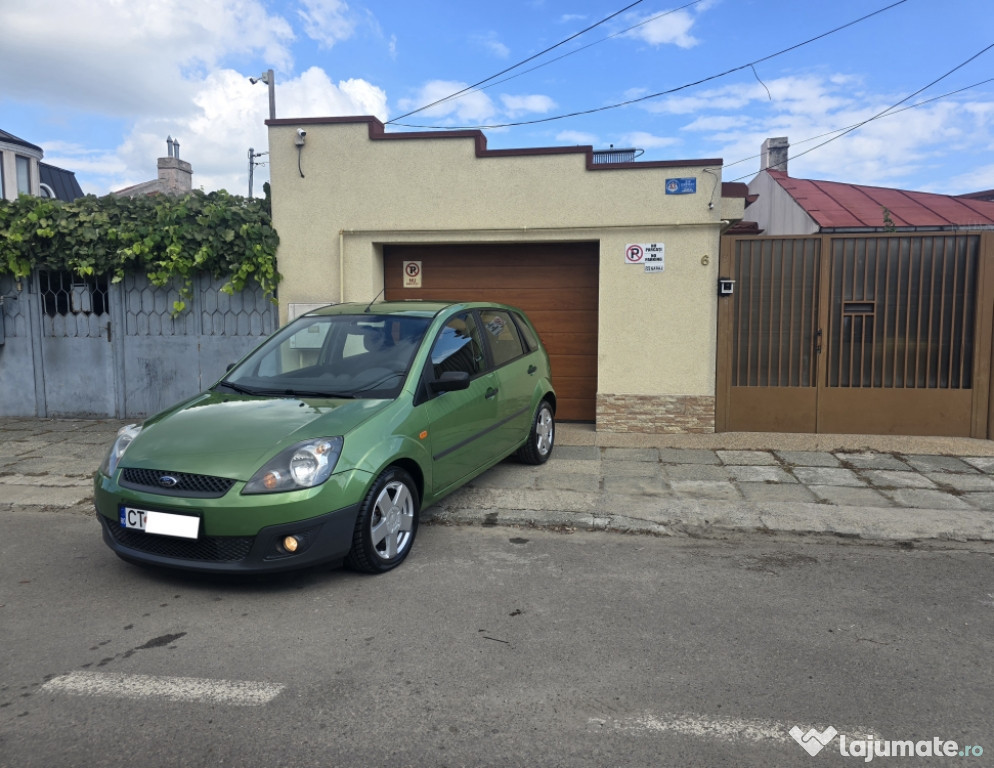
<point x="450" y="381"/>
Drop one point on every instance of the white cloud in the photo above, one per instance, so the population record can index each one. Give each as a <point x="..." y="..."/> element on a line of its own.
<point x="576" y="137"/>
<point x="670" y="29"/>
<point x="492" y="45"/>
<point x="471" y="107"/>
<point x="812" y="111"/>
<point x="520" y="105"/>
<point x="129" y="58"/>
<point x="327" y="21"/>
<point x="644" y="140"/>
<point x="228" y="118"/>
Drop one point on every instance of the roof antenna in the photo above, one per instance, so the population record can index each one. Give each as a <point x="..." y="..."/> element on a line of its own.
<point x="366" y="311"/>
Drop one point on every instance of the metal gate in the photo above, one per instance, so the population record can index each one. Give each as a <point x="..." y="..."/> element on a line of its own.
<point x="86" y="347"/>
<point x="879" y="334"/>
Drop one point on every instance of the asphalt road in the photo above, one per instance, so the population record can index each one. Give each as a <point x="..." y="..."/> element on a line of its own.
<point x="494" y="647"/>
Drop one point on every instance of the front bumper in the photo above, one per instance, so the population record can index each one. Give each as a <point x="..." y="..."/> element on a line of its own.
<point x="238" y="533"/>
<point x="326" y="539"/>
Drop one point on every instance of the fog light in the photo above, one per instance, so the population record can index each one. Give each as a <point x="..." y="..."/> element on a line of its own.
<point x="290" y="543"/>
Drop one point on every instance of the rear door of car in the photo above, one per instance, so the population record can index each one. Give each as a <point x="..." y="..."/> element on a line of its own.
<point x="461" y="423"/>
<point x="516" y="370"/>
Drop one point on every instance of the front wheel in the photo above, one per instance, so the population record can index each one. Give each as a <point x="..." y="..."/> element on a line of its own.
<point x="541" y="438"/>
<point x="387" y="523"/>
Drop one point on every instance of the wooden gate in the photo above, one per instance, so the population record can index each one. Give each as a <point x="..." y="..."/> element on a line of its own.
<point x="876" y="334"/>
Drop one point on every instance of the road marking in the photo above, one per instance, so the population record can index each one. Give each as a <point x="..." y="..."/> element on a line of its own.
<point x="234" y="692"/>
<point x="724" y="729"/>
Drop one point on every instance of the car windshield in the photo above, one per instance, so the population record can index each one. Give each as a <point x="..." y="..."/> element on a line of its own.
<point x="355" y="356"/>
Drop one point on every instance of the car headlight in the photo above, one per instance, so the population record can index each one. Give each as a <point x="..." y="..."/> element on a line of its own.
<point x="125" y="435"/>
<point x="303" y="465"/>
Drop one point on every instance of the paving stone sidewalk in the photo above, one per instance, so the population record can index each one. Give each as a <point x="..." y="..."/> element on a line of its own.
<point x="626" y="485"/>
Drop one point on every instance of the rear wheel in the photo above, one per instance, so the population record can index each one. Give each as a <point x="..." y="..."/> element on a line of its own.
<point x="387" y="523"/>
<point x="542" y="437"/>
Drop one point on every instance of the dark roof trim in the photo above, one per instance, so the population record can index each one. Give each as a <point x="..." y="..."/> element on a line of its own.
<point x="10" y="138"/>
<point x="377" y="131"/>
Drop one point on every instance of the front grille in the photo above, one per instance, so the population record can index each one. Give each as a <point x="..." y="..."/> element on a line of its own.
<point x="196" y="486"/>
<point x="210" y="548"/>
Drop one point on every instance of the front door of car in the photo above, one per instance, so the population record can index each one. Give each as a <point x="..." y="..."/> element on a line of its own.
<point x="515" y="371"/>
<point x="461" y="422"/>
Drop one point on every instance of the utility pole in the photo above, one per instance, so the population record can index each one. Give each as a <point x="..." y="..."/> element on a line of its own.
<point x="252" y="155"/>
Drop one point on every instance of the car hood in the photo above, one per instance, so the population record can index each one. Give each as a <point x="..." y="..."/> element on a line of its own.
<point x="232" y="435"/>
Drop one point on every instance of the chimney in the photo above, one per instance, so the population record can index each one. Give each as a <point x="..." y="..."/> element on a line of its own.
<point x="175" y="175"/>
<point x="774" y="154"/>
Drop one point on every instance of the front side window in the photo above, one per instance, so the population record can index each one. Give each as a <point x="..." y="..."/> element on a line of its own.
<point x="23" y="175"/>
<point x="362" y="356"/>
<point x="458" y="347"/>
<point x="505" y="341"/>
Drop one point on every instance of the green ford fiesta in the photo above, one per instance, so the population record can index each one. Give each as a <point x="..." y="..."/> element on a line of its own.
<point x="325" y="443"/>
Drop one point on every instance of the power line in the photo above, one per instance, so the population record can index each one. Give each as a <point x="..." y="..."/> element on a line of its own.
<point x="889" y="110"/>
<point x="515" y="66"/>
<point x="629" y="102"/>
<point x="590" y="45"/>
<point x="841" y="131"/>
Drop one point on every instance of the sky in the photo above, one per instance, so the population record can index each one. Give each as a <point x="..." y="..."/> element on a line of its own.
<point x="101" y="84"/>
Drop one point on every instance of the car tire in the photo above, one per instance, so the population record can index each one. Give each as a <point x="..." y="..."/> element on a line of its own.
<point x="542" y="437"/>
<point x="386" y="524"/>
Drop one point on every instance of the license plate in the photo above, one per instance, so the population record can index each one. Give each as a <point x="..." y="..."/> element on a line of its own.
<point x="160" y="523"/>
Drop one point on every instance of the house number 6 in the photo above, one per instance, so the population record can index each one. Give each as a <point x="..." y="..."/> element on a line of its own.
<point x="705" y="260"/>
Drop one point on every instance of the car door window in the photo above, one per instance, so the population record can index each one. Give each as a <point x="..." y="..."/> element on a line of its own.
<point x="502" y="333"/>
<point x="458" y="347"/>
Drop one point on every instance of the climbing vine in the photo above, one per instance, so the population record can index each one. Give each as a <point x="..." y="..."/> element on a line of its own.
<point x="167" y="238"/>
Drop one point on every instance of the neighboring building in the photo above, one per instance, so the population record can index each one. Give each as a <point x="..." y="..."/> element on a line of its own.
<point x="787" y="206"/>
<point x="175" y="176"/>
<point x="23" y="173"/>
<point x="631" y="329"/>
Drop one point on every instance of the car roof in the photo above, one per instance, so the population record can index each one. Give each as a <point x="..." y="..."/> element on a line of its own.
<point x="410" y="308"/>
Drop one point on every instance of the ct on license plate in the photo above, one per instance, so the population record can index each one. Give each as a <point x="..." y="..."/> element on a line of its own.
<point x="162" y="523"/>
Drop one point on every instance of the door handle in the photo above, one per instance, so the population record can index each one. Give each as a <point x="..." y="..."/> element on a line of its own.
<point x="491" y="393"/>
<point x="107" y="327"/>
<point x="532" y="369"/>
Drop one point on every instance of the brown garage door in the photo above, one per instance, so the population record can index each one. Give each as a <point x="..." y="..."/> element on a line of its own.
<point x="555" y="284"/>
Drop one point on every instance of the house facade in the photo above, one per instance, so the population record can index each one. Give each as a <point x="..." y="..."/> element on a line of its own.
<point x="616" y="262"/>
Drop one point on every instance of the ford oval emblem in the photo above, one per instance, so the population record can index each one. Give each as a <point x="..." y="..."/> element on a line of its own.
<point x="168" y="481"/>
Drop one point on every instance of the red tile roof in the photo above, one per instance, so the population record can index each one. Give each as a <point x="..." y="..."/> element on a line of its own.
<point x="835" y="205"/>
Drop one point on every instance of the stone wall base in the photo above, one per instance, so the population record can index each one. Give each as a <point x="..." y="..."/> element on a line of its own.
<point x="655" y="414"/>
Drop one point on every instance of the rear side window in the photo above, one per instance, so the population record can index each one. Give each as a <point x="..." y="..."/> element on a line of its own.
<point x="527" y="335"/>
<point x="505" y="341"/>
<point x="458" y="347"/>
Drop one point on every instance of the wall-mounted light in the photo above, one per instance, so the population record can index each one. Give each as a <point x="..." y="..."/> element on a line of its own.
<point x="269" y="79"/>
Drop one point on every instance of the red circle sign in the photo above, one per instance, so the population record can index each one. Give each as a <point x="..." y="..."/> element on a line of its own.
<point x="634" y="254"/>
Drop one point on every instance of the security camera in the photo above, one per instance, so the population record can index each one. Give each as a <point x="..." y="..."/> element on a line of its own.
<point x="253" y="80"/>
<point x="299" y="140"/>
<point x="301" y="132"/>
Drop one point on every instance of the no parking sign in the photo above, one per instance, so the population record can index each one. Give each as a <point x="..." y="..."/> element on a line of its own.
<point x="650" y="255"/>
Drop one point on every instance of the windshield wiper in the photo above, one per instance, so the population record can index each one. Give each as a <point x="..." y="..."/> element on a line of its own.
<point x="309" y="393"/>
<point x="238" y="388"/>
<point x="286" y="392"/>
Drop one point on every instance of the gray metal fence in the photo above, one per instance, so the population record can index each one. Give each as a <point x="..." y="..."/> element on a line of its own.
<point x="87" y="347"/>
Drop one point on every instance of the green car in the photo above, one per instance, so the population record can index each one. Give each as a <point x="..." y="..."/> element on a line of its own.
<point x="325" y="443"/>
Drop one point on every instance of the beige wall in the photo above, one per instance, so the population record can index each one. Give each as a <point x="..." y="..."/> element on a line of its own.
<point x="351" y="194"/>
